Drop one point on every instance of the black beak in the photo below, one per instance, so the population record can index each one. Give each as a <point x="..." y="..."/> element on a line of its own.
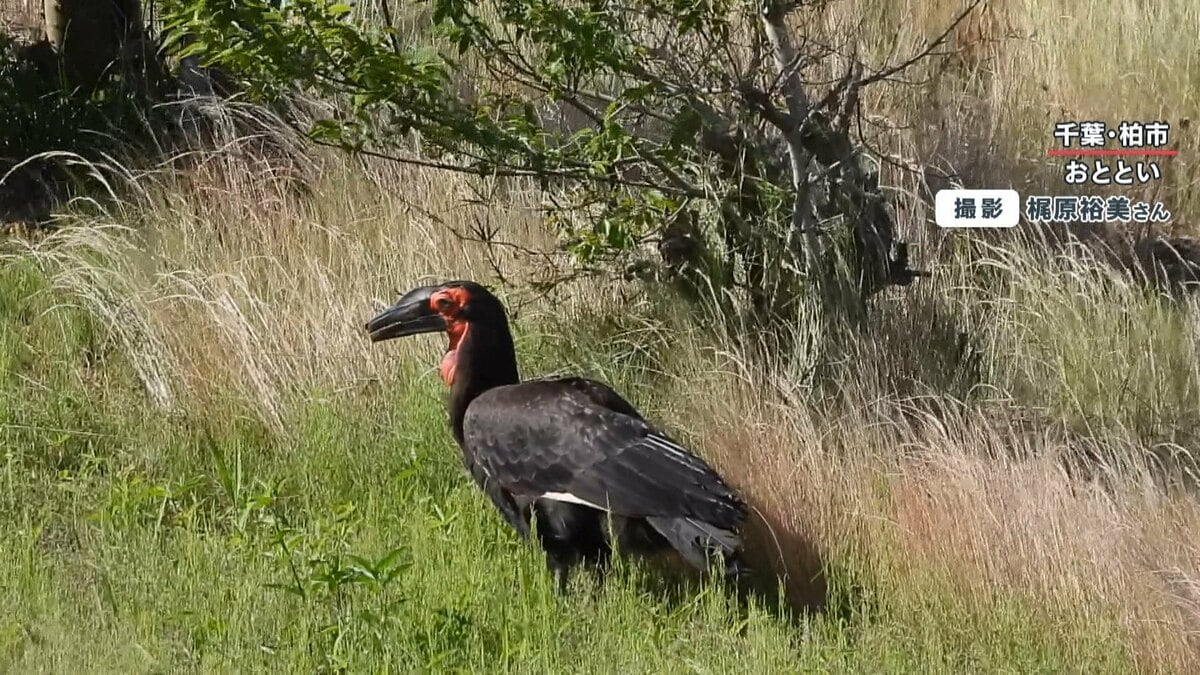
<point x="410" y="315"/>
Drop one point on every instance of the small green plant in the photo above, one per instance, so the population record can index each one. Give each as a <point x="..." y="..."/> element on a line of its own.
<point x="248" y="502"/>
<point x="354" y="593"/>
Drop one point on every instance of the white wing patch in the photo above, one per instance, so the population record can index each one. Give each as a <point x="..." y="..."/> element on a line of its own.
<point x="570" y="499"/>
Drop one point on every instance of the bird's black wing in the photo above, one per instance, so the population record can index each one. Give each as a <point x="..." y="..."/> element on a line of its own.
<point x="577" y="440"/>
<point x="601" y="394"/>
<point x="516" y="515"/>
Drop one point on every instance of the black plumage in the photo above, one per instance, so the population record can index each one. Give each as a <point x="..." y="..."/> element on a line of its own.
<point x="568" y="452"/>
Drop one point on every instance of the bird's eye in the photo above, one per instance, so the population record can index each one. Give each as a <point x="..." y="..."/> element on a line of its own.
<point x="444" y="303"/>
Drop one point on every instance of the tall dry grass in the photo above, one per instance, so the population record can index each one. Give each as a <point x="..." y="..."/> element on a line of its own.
<point x="222" y="282"/>
<point x="983" y="497"/>
<point x="983" y="117"/>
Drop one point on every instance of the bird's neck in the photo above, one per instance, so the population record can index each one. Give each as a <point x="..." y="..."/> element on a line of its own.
<point x="481" y="356"/>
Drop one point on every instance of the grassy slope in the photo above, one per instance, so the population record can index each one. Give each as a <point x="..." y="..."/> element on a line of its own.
<point x="138" y="541"/>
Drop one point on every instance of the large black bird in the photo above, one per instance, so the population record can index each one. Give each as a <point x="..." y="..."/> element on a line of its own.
<point x="569" y="451"/>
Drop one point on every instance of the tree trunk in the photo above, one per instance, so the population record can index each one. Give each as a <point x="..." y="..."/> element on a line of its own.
<point x="89" y="36"/>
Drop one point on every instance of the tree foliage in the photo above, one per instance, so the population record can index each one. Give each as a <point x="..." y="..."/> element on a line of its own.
<point x="682" y="123"/>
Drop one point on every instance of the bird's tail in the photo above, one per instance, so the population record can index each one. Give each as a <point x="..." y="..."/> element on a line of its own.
<point x="696" y="541"/>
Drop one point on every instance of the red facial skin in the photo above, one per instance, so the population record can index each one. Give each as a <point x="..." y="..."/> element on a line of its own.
<point x="449" y="303"/>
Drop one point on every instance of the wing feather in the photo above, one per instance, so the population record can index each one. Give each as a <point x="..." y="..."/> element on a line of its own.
<point x="579" y="438"/>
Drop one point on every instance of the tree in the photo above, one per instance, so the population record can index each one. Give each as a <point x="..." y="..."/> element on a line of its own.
<point x="686" y="123"/>
<point x="90" y="36"/>
<point x="88" y="89"/>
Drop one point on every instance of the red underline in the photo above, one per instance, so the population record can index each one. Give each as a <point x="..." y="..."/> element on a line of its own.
<point x="1124" y="152"/>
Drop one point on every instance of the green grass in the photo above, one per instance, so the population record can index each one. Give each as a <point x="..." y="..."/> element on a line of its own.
<point x="137" y="540"/>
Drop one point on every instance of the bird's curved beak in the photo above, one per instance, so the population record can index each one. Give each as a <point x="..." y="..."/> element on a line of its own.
<point x="411" y="315"/>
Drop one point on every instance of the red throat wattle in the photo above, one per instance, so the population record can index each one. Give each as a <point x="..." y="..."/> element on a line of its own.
<point x="457" y="330"/>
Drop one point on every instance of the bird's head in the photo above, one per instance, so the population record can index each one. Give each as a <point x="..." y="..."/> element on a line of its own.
<point x="448" y="307"/>
<point x="454" y="308"/>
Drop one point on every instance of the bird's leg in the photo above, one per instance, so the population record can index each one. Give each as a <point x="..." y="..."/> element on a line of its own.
<point x="599" y="559"/>
<point x="560" y="567"/>
<point x="602" y="564"/>
<point x="735" y="567"/>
